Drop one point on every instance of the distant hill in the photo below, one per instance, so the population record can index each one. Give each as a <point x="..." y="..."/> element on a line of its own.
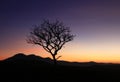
<point x="31" y="57"/>
<point x="22" y="58"/>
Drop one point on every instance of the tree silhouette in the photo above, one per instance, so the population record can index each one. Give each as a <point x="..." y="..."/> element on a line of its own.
<point x="51" y="36"/>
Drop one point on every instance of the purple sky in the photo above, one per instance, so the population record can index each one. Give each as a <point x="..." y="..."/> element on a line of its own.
<point x="96" y="23"/>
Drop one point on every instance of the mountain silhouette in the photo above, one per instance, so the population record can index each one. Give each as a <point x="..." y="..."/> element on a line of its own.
<point x="22" y="58"/>
<point x="31" y="58"/>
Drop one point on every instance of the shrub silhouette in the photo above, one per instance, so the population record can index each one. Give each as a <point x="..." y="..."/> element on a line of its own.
<point x="51" y="36"/>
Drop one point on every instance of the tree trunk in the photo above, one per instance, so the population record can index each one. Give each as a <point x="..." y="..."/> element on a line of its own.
<point x="55" y="61"/>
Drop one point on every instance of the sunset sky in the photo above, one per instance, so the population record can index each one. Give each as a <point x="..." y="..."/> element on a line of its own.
<point x="96" y="24"/>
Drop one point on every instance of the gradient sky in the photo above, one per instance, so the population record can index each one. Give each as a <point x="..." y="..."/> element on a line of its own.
<point x="96" y="24"/>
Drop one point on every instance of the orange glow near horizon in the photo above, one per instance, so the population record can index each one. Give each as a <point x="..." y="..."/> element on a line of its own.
<point x="70" y="52"/>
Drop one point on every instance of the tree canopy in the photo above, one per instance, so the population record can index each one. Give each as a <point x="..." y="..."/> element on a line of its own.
<point x="51" y="36"/>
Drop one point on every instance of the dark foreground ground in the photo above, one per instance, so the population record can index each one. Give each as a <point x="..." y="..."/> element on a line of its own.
<point x="40" y="72"/>
<point x="31" y="68"/>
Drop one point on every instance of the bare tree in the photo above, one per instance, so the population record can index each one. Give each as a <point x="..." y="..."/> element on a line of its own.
<point x="51" y="36"/>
